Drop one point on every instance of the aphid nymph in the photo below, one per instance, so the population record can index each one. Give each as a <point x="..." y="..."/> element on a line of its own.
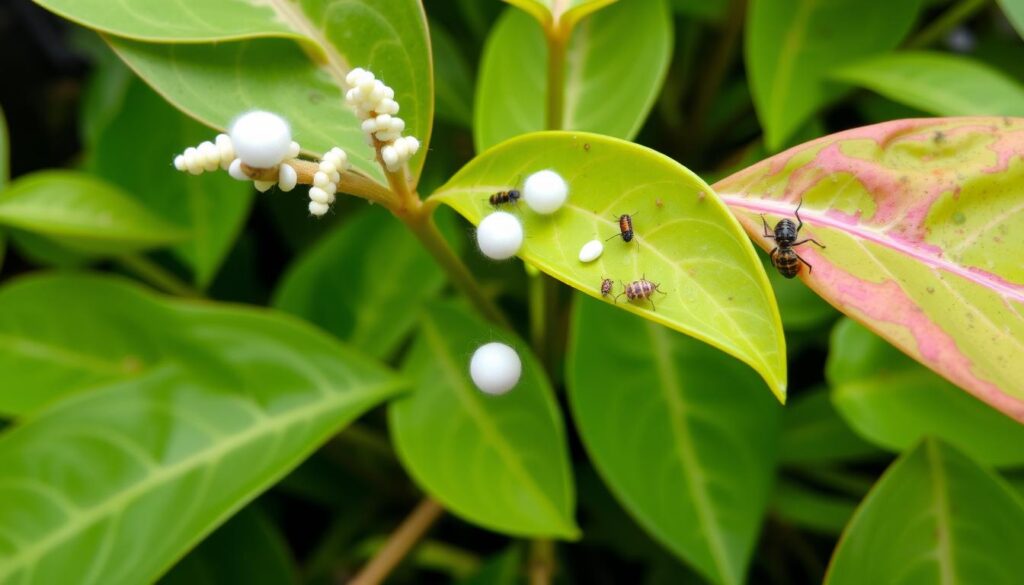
<point x="625" y="228"/>
<point x="642" y="289"/>
<point x="510" y="197"/>
<point x="784" y="257"/>
<point x="606" y="287"/>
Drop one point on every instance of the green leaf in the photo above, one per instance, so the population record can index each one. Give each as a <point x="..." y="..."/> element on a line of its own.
<point x="605" y="90"/>
<point x="498" y="461"/>
<point x="119" y="482"/>
<point x="248" y="548"/>
<point x="366" y="283"/>
<point x="934" y="517"/>
<point x="501" y="569"/>
<point x="813" y="432"/>
<point x="135" y="158"/>
<point x="892" y="401"/>
<point x="454" y="87"/>
<point x="921" y="222"/>
<point x="793" y="45"/>
<point x="691" y="462"/>
<point x="715" y="287"/>
<point x="1014" y="10"/>
<point x="5" y="153"/>
<point x="938" y="83"/>
<point x="83" y="212"/>
<point x="215" y="82"/>
<point x="561" y="12"/>
<point x="815" y="510"/>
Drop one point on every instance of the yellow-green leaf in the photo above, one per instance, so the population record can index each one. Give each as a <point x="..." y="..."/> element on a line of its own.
<point x="924" y="229"/>
<point x="715" y="288"/>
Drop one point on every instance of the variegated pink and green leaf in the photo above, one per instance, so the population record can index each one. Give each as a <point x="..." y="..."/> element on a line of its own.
<point x="924" y="226"/>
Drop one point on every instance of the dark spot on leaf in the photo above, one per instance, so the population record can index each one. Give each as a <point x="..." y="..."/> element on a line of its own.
<point x="940" y="137"/>
<point x="930" y="289"/>
<point x="586" y="146"/>
<point x="959" y="218"/>
<point x="315" y="97"/>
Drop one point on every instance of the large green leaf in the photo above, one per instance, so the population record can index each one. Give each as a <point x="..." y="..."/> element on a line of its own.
<point x="894" y="402"/>
<point x="215" y="82"/>
<point x="793" y="45"/>
<point x="715" y="287"/>
<point x="939" y="83"/>
<point x="454" y="87"/>
<point x="83" y="212"/>
<point x="134" y="157"/>
<point x="605" y="91"/>
<point x="684" y="437"/>
<point x="115" y="484"/>
<point x="5" y="152"/>
<point x="365" y="283"/>
<point x="923" y="223"/>
<point x="498" y="461"/>
<point x="248" y="549"/>
<point x="934" y="517"/>
<point x="813" y="432"/>
<point x="815" y="510"/>
<point x="1014" y="10"/>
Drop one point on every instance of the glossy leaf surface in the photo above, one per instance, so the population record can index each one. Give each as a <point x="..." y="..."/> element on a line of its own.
<point x="605" y="90"/>
<point x="116" y="483"/>
<point x="215" y="82"/>
<point x="715" y="288"/>
<point x="85" y="213"/>
<point x="498" y="461"/>
<point x="939" y="83"/>
<point x="923" y="223"/>
<point x="792" y="46"/>
<point x="934" y="517"/>
<point x="894" y="402"/>
<point x="212" y="207"/>
<point x="365" y="282"/>
<point x="684" y="438"/>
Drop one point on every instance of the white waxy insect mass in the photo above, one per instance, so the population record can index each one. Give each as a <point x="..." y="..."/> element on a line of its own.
<point x="545" y="191"/>
<point x="499" y="235"/>
<point x="591" y="251"/>
<point x="495" y="368"/>
<point x="261" y="139"/>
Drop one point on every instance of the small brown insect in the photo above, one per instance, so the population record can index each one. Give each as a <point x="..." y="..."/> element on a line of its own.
<point x="784" y="257"/>
<point x="659" y="203"/>
<point x="606" y="287"/>
<point x="586" y="146"/>
<point x="510" y="197"/>
<point x="625" y="228"/>
<point x="642" y="289"/>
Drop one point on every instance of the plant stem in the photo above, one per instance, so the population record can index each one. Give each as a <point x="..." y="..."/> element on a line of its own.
<point x="949" y="19"/>
<point x="537" y="309"/>
<point x="421" y="222"/>
<point x="401" y="541"/>
<point x="158" y="276"/>
<point x="542" y="561"/>
<point x="557" y="44"/>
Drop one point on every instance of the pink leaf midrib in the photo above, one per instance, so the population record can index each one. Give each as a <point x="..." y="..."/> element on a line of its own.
<point x="813" y="217"/>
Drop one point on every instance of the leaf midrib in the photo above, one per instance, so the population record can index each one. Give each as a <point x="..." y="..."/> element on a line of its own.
<point x="291" y="12"/>
<point x="120" y="500"/>
<point x="62" y="355"/>
<point x="943" y="513"/>
<point x="683" y="441"/>
<point x="464" y="394"/>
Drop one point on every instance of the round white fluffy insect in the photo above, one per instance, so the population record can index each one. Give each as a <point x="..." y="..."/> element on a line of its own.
<point x="591" y="251"/>
<point x="261" y="139"/>
<point x="499" y="235"/>
<point x="545" y="191"/>
<point x="495" y="368"/>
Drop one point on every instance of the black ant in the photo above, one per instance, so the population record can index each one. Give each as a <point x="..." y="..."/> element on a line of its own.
<point x="784" y="257"/>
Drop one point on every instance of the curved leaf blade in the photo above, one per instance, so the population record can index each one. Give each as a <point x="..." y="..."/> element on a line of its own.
<point x="605" y="91"/>
<point x="715" y="287"/>
<point x="958" y="523"/>
<point x="792" y="45"/>
<point x="119" y="482"/>
<point x="566" y="13"/>
<point x="938" y="83"/>
<point x="84" y="212"/>
<point x="370" y="308"/>
<point x="215" y="82"/>
<point x="498" y="461"/>
<point x="922" y="219"/>
<point x="691" y="462"/>
<point x="894" y="402"/>
<point x="814" y="433"/>
<point x="1014" y="10"/>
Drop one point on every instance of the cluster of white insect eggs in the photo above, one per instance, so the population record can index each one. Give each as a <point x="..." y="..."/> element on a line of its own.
<point x="325" y="181"/>
<point x="208" y="156"/>
<point x="374" y="104"/>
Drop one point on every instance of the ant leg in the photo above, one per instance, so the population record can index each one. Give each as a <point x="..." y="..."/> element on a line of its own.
<point x="764" y="222"/>
<point x="812" y="240"/>
<point x="810" y="268"/>
<point x="799" y="222"/>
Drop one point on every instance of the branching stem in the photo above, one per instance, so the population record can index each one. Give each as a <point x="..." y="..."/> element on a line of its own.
<point x="158" y="276"/>
<point x="946" y="22"/>
<point x="400" y="543"/>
